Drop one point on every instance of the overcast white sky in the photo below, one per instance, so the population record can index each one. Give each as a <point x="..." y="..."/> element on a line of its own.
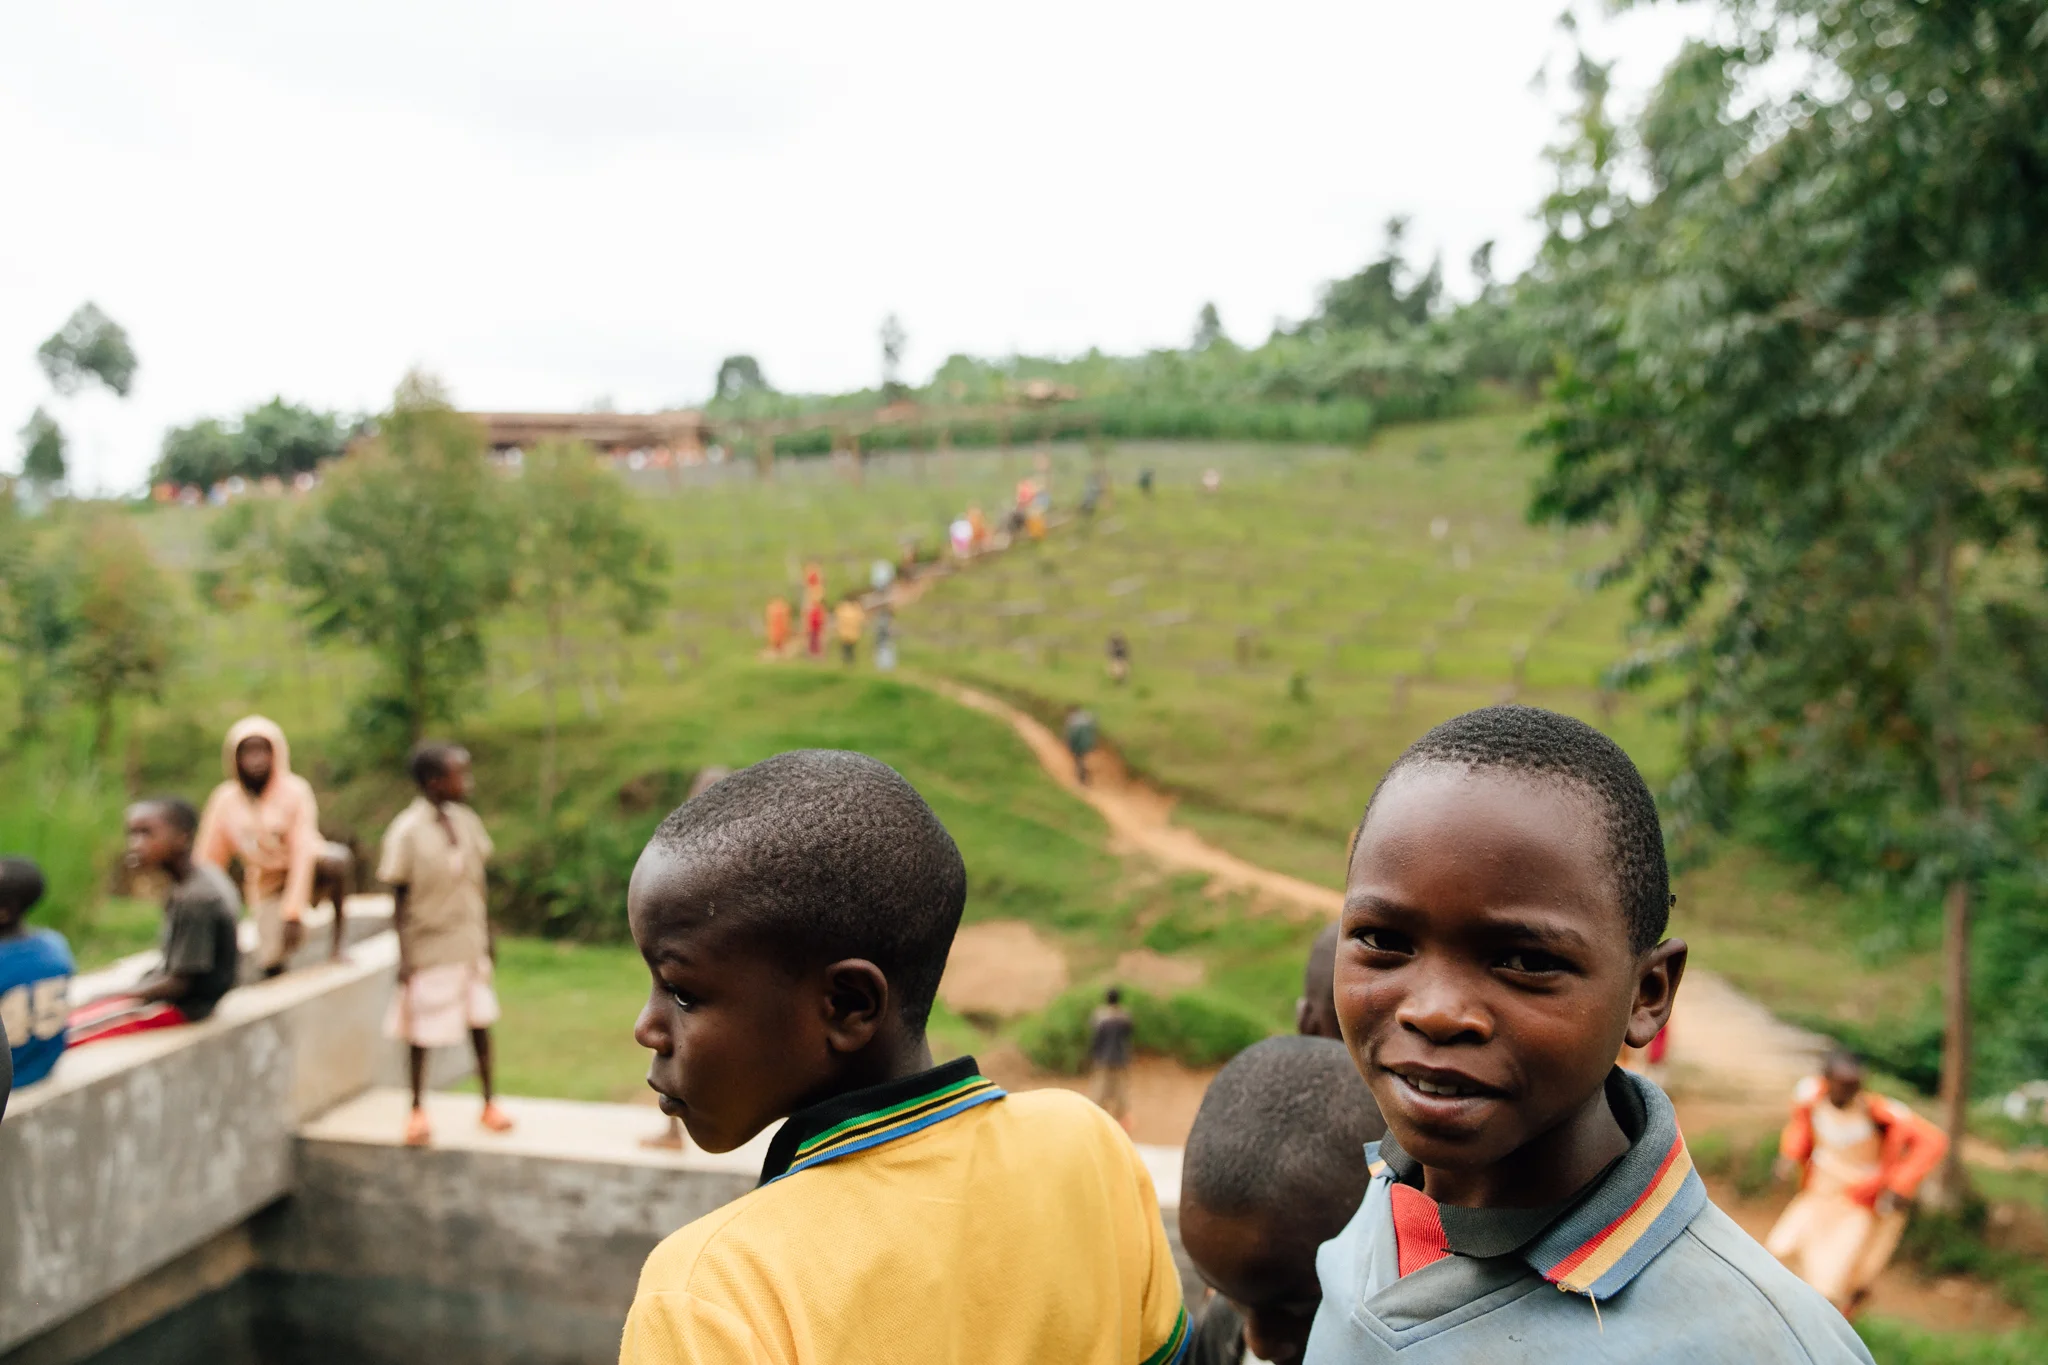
<point x="548" y="203"/>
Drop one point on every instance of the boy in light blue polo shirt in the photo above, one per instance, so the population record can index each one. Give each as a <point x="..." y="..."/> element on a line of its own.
<point x="1531" y="1201"/>
<point x="35" y="976"/>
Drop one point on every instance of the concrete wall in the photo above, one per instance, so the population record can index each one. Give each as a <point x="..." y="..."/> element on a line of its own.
<point x="137" y="1150"/>
<point x="561" y="1211"/>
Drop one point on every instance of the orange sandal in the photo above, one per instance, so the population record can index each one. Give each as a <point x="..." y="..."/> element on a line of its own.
<point x="494" y="1118"/>
<point x="417" y="1134"/>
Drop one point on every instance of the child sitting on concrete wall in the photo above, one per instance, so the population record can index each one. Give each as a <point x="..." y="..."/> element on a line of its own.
<point x="200" y="951"/>
<point x="35" y="976"/>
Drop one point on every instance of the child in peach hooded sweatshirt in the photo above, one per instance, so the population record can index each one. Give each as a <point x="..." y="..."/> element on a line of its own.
<point x="265" y="815"/>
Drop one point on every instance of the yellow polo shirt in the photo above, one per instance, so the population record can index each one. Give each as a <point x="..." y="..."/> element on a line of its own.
<point x="931" y="1219"/>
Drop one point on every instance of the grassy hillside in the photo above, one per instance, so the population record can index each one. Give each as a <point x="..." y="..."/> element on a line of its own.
<point x="1291" y="632"/>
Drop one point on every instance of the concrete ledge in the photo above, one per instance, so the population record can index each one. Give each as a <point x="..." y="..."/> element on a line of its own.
<point x="135" y="1151"/>
<point x="563" y="1209"/>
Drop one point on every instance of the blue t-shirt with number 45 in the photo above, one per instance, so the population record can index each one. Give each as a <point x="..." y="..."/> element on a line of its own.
<point x="35" y="1000"/>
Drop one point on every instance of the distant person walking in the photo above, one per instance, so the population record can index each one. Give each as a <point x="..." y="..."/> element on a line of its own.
<point x="1111" y="1034"/>
<point x="1119" y="658"/>
<point x="1081" y="739"/>
<point x="433" y="860"/>
<point x="1145" y="482"/>
<point x="849" y="622"/>
<point x="814" y="628"/>
<point x="265" y="817"/>
<point x="885" y="639"/>
<point x="1860" y="1158"/>
<point x="777" y="622"/>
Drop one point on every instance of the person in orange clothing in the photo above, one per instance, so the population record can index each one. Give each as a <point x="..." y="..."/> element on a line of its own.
<point x="1861" y="1157"/>
<point x="778" y="626"/>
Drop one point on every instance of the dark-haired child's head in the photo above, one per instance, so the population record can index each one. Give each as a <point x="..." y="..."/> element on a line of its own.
<point x="441" y="771"/>
<point x="796" y="918"/>
<point x="1503" y="909"/>
<point x="1843" y="1072"/>
<point x="1315" y="1014"/>
<point x="21" y="886"/>
<point x="160" y="833"/>
<point x="1275" y="1167"/>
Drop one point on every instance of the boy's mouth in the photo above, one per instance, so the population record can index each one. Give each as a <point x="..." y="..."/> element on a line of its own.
<point x="1433" y="1093"/>
<point x="667" y="1103"/>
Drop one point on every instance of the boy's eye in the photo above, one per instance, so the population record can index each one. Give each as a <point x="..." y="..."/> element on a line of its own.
<point x="683" y="999"/>
<point x="1384" y="940"/>
<point x="1532" y="962"/>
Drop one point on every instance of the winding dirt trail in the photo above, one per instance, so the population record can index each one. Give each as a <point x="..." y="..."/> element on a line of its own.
<point x="1733" y="1060"/>
<point x="1141" y="819"/>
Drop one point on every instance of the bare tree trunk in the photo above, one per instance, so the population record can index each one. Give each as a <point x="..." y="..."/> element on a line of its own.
<point x="1952" y="1183"/>
<point x="550" y="675"/>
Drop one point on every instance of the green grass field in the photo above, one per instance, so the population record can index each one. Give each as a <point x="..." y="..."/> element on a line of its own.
<point x="1291" y="632"/>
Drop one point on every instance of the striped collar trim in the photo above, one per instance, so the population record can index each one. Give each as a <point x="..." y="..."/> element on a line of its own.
<point x="1641" y="1205"/>
<point x="1648" y="1199"/>
<point x="1174" y="1350"/>
<point x="869" y="1117"/>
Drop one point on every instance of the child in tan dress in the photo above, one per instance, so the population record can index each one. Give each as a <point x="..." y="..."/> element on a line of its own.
<point x="433" y="859"/>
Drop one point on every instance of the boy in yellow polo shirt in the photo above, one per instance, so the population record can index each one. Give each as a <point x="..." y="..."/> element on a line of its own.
<point x="796" y="918"/>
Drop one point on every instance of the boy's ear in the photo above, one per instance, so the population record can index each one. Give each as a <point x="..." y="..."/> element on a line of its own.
<point x="1658" y="973"/>
<point x="857" y="1000"/>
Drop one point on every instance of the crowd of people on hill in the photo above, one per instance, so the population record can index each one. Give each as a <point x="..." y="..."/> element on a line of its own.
<point x="264" y="820"/>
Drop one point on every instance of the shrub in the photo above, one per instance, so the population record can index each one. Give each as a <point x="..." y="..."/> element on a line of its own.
<point x="571" y="882"/>
<point x="1196" y="1027"/>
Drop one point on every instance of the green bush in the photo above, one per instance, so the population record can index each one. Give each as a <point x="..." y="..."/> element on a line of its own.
<point x="1196" y="1027"/>
<point x="572" y="882"/>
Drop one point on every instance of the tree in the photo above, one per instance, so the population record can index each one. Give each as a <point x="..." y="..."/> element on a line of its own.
<point x="35" y="618"/>
<point x="90" y="345"/>
<point x="42" y="450"/>
<point x="276" y="439"/>
<point x="285" y="439"/>
<point x="894" y="342"/>
<point x="1805" y="365"/>
<point x="405" y="552"/>
<point x="581" y="551"/>
<point x="739" y="376"/>
<point x="1208" y="328"/>
<point x="199" y="455"/>
<point x="1379" y="297"/>
<point x="123" y="635"/>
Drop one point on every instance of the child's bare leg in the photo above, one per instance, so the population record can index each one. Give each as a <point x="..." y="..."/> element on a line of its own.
<point x="493" y="1118"/>
<point x="340" y="949"/>
<point x="416" y="1130"/>
<point x="668" y="1141"/>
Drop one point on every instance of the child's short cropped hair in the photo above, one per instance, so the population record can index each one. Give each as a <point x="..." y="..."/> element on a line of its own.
<point x="432" y="759"/>
<point x="822" y="855"/>
<point x="1281" y="1133"/>
<point x="177" y="812"/>
<point x="21" y="883"/>
<point x="1543" y="744"/>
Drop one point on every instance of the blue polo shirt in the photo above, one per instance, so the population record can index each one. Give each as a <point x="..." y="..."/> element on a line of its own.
<point x="1639" y="1267"/>
<point x="35" y="998"/>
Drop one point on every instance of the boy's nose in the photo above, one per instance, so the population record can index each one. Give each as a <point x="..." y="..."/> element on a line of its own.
<point x="1441" y="1010"/>
<point x="648" y="1030"/>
